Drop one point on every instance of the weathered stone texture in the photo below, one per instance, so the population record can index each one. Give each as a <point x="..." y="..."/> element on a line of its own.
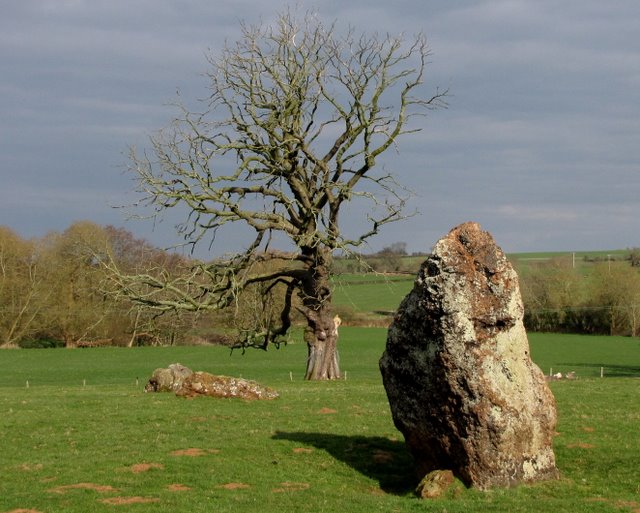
<point x="186" y="383"/>
<point x="203" y="383"/>
<point x="169" y="379"/>
<point x="435" y="484"/>
<point x="460" y="381"/>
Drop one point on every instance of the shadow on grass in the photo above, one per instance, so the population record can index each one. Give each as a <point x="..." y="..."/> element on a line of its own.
<point x="387" y="461"/>
<point x="617" y="371"/>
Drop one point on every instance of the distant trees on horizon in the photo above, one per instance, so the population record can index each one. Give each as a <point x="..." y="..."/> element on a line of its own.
<point x="57" y="291"/>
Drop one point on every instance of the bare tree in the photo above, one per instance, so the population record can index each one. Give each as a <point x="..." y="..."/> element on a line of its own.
<point x="296" y="117"/>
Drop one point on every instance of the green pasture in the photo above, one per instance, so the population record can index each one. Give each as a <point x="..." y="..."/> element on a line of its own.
<point x="371" y="293"/>
<point x="374" y="294"/>
<point x="83" y="436"/>
<point x="603" y="255"/>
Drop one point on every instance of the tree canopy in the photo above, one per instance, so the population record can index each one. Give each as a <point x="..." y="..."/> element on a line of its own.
<point x="296" y="117"/>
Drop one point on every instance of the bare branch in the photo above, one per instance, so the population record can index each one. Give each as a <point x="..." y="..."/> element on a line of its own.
<point x="296" y="116"/>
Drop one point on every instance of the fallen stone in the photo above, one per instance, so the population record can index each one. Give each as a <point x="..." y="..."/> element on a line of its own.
<point x="169" y="379"/>
<point x="435" y="484"/>
<point x="203" y="383"/>
<point x="461" y="384"/>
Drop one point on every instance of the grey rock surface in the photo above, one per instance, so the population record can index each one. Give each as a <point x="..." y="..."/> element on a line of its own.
<point x="203" y="383"/>
<point x="169" y="379"/>
<point x="461" y="384"/>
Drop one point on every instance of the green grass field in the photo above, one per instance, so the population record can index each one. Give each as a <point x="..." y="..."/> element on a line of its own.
<point x="84" y="437"/>
<point x="374" y="294"/>
<point x="370" y="293"/>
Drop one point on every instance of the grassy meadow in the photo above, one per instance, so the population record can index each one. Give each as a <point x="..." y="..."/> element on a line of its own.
<point x="371" y="293"/>
<point x="83" y="436"/>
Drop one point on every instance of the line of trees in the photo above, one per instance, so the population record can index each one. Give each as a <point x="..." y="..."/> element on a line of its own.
<point x="601" y="298"/>
<point x="60" y="291"/>
<point x="56" y="290"/>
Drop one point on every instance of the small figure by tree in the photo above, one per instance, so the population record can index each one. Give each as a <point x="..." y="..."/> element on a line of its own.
<point x="296" y="117"/>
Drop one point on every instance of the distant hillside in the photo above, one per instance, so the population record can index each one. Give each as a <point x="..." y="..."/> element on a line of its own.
<point x="365" y="297"/>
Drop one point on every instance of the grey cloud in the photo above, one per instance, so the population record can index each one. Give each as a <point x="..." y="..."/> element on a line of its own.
<point x="539" y="143"/>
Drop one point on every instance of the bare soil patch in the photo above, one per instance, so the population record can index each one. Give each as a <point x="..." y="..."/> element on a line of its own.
<point x="31" y="467"/>
<point x="302" y="450"/>
<point x="235" y="486"/>
<point x="327" y="411"/>
<point x="21" y="510"/>
<point x="378" y="492"/>
<point x="122" y="501"/>
<point x="177" y="487"/>
<point x="291" y="487"/>
<point x="194" y="452"/>
<point x="632" y="505"/>
<point x="380" y="456"/>
<point x="83" y="486"/>
<point x="145" y="467"/>
<point x="580" y="445"/>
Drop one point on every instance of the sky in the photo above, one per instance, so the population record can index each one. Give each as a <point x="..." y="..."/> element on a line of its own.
<point x="540" y="142"/>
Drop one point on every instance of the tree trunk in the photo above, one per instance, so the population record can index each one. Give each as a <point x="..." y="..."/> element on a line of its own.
<point x="321" y="334"/>
<point x="134" y="335"/>
<point x="323" y="361"/>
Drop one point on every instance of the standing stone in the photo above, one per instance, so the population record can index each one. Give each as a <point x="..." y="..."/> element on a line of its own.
<point x="457" y="371"/>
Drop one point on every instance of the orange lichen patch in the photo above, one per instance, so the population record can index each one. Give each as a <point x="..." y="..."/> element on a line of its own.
<point x="145" y="467"/>
<point x="580" y="445"/>
<point x="291" y="487"/>
<point x="83" y="486"/>
<point x="234" y="486"/>
<point x="302" y="450"/>
<point x="327" y="411"/>
<point x="380" y="456"/>
<point x="121" y="501"/>
<point x="177" y="487"/>
<point x="194" y="452"/>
